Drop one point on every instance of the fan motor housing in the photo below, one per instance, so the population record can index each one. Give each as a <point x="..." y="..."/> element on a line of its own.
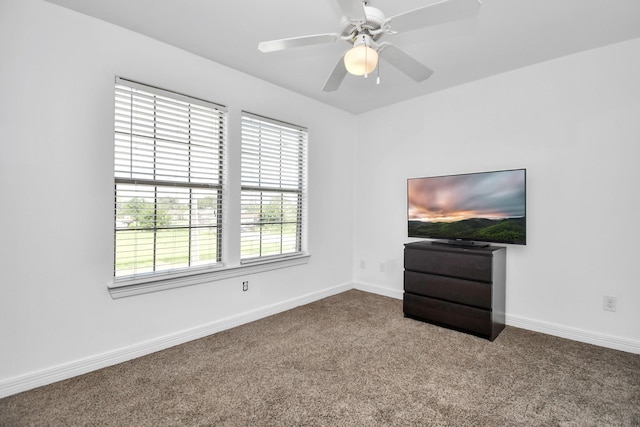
<point x="373" y="22"/>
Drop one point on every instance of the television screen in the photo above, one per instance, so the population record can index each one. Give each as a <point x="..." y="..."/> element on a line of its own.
<point x="483" y="207"/>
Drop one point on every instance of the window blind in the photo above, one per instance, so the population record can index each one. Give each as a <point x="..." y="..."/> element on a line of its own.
<point x="273" y="188"/>
<point x="168" y="171"/>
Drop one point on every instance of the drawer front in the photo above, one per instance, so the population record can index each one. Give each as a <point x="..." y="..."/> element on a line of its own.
<point x="466" y="265"/>
<point x="473" y="320"/>
<point x="477" y="294"/>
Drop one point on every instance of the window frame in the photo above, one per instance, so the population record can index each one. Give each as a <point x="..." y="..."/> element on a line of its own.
<point x="211" y="180"/>
<point x="273" y="161"/>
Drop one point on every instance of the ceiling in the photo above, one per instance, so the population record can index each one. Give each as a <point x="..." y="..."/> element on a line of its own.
<point x="505" y="35"/>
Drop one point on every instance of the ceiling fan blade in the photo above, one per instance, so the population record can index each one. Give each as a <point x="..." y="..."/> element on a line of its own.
<point x="276" y="45"/>
<point x="434" y="14"/>
<point x="336" y="77"/>
<point x="353" y="9"/>
<point x="403" y="62"/>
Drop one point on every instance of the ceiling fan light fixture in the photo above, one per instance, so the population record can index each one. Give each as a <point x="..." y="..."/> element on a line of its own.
<point x="363" y="26"/>
<point x="361" y="60"/>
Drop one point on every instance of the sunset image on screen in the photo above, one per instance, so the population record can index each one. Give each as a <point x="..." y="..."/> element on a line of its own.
<point x="453" y="198"/>
<point x="481" y="204"/>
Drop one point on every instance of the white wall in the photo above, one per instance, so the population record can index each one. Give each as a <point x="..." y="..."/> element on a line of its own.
<point x="574" y="123"/>
<point x="57" y="318"/>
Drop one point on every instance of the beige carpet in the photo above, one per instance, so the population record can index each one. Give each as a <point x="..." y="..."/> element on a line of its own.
<point x="349" y="360"/>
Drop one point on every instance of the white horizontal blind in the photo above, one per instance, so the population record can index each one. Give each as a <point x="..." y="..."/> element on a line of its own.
<point x="273" y="181"/>
<point x="168" y="170"/>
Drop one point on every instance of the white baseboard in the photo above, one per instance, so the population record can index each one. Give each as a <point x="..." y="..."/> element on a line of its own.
<point x="82" y="366"/>
<point x="65" y="371"/>
<point x="575" y="334"/>
<point x="379" y="290"/>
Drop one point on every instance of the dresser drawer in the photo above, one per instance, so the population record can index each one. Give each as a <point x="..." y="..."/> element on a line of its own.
<point x="465" y="265"/>
<point x="477" y="294"/>
<point x="455" y="316"/>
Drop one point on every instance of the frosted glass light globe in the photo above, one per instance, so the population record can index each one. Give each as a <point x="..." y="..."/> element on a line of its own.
<point x="360" y="60"/>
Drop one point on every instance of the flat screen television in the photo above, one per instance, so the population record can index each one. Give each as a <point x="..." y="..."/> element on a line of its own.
<point x="469" y="209"/>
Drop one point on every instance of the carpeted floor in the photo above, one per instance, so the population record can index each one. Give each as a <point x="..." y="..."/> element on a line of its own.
<point x="349" y="360"/>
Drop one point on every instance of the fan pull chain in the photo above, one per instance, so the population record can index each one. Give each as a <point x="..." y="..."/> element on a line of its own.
<point x="366" y="61"/>
<point x="378" y="77"/>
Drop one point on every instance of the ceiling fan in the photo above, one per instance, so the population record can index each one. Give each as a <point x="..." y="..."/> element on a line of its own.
<point x="363" y="26"/>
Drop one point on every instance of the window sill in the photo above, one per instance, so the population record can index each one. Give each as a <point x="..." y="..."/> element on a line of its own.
<point x="126" y="289"/>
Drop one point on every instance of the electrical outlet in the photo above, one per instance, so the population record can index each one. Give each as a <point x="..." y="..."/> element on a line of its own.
<point x="363" y="264"/>
<point x="381" y="267"/>
<point x="245" y="285"/>
<point x="609" y="303"/>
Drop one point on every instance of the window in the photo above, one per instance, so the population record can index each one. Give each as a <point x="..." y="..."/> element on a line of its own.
<point x="169" y="164"/>
<point x="273" y="187"/>
<point x="170" y="158"/>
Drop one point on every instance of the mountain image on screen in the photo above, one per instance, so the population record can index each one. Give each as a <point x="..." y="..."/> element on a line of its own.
<point x="486" y="206"/>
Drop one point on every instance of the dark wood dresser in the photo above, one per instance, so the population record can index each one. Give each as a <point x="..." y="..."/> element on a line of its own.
<point x="456" y="287"/>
